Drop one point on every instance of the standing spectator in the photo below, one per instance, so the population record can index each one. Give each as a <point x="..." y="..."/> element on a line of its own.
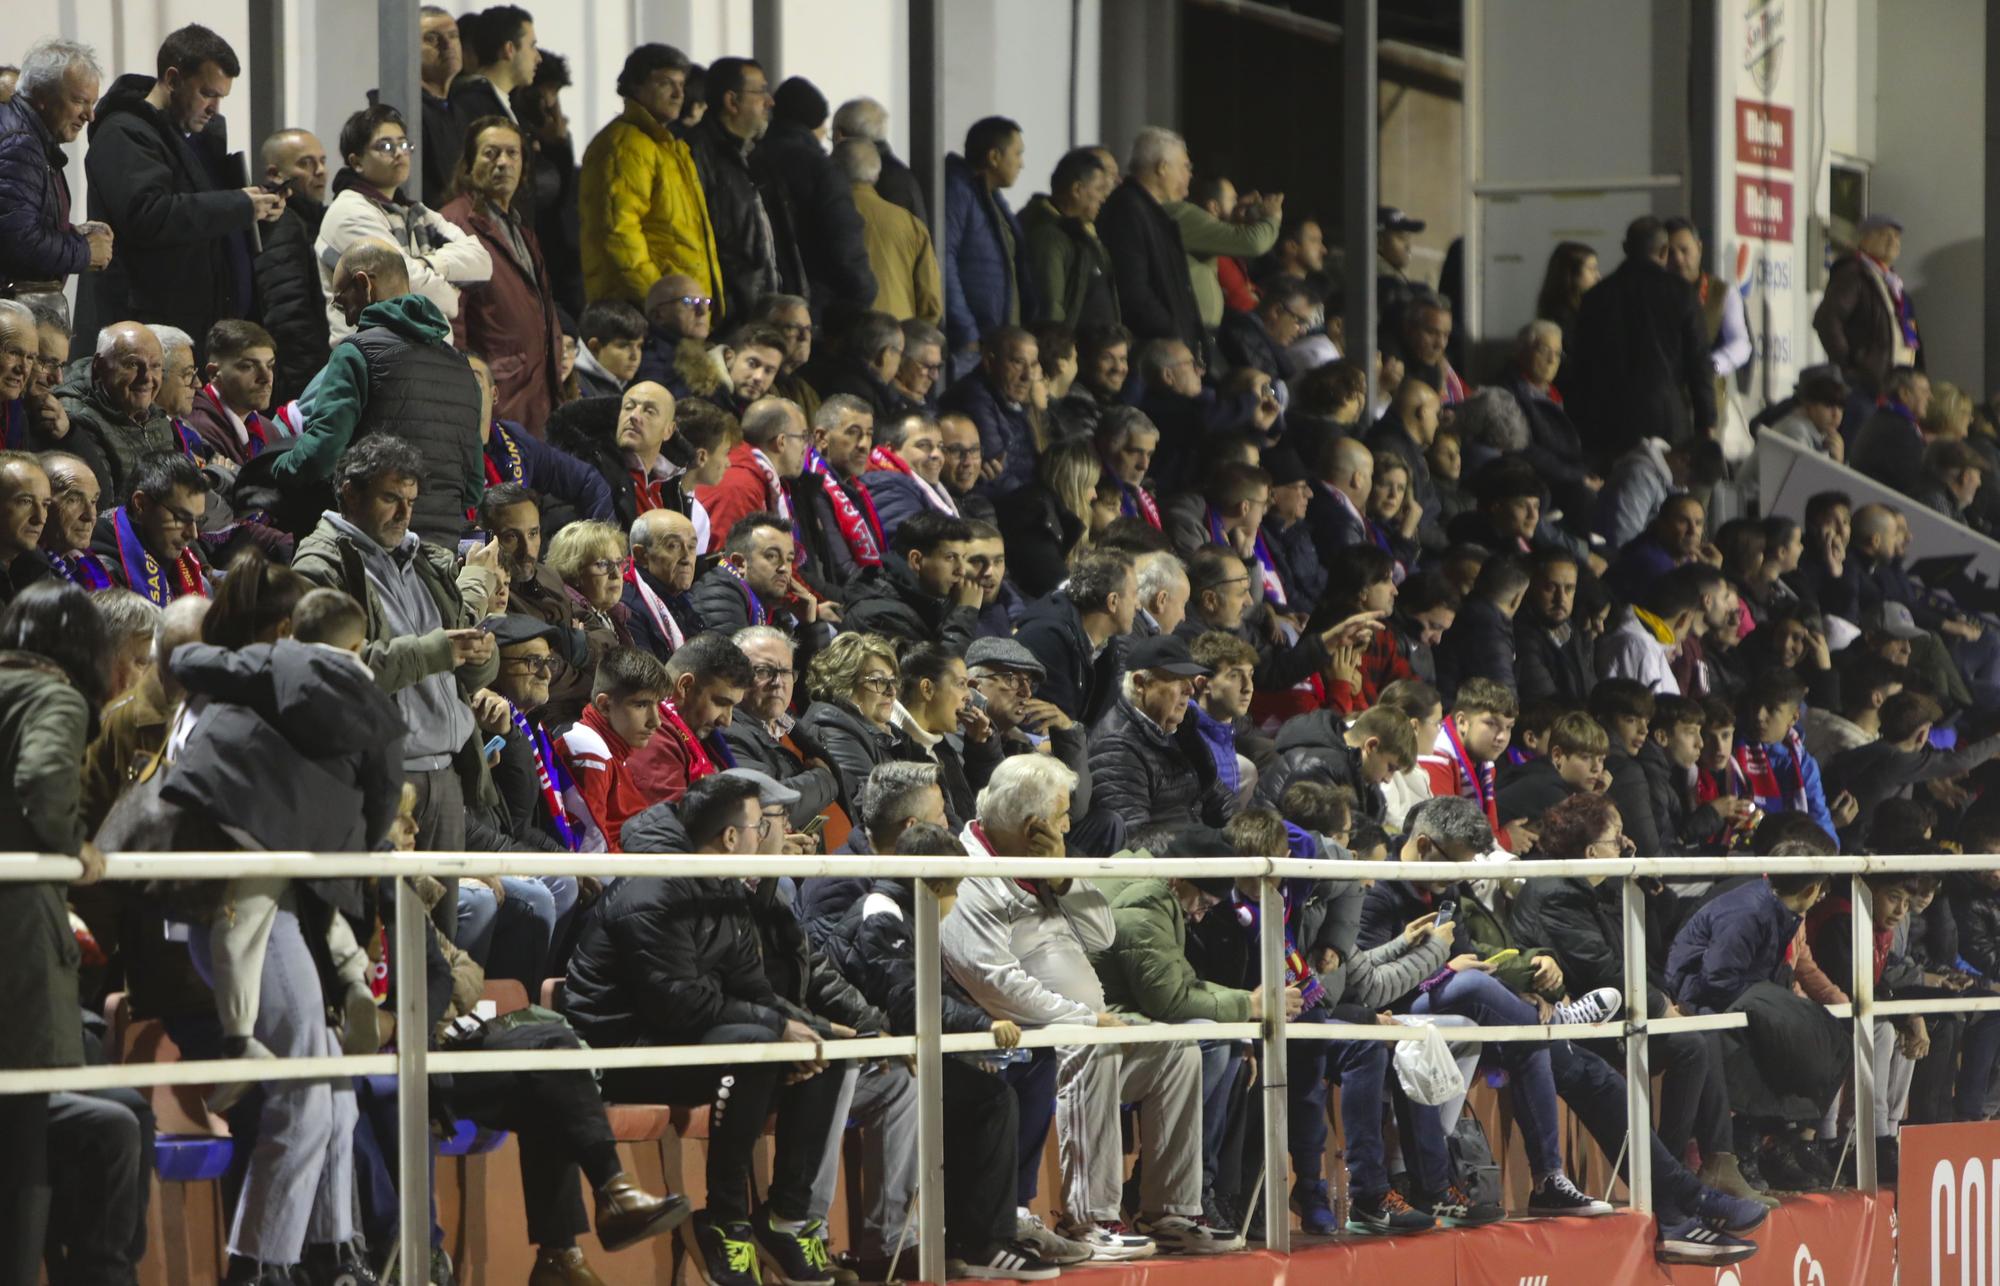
<point x="1220" y="232"/>
<point x="1155" y="296"/>
<point x="228" y="411"/>
<point x="501" y="40"/>
<point x="1072" y="270"/>
<point x="908" y="282"/>
<point x="512" y="322"/>
<point x="1394" y="289"/>
<point x="441" y="57"/>
<point x="996" y="397"/>
<point x="1722" y="316"/>
<point x="987" y="283"/>
<point x="38" y="243"/>
<point x="644" y="214"/>
<point x="739" y="110"/>
<point x="1641" y="353"/>
<point x="866" y="119"/>
<point x="395" y="373"/>
<point x="1867" y="320"/>
<point x="1572" y="271"/>
<point x="112" y="417"/>
<point x="821" y="254"/>
<point x="368" y="204"/>
<point x="156" y="167"/>
<point x="290" y="301"/>
<point x="551" y="178"/>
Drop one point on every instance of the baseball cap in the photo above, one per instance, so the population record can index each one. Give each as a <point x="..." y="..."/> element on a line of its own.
<point x="1165" y="652"/>
<point x="1880" y="220"/>
<point x="1892" y="619"/>
<point x="769" y="789"/>
<point x="1004" y="654"/>
<point x="1389" y="218"/>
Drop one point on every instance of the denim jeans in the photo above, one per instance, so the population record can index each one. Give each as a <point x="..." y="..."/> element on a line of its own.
<point x="1362" y="1068"/>
<point x="1220" y="1062"/>
<point x="1485" y="1001"/>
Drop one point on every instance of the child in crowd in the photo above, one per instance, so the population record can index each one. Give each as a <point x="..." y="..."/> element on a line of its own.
<point x="623" y="715"/>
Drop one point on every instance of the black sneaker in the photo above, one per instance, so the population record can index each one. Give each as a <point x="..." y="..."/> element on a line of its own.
<point x="1556" y="1195"/>
<point x="1386" y="1212"/>
<point x="1888" y="1160"/>
<point x="327" y="1264"/>
<point x="1457" y="1210"/>
<point x="1692" y="1241"/>
<point x="728" y="1253"/>
<point x="1779" y="1163"/>
<point x="791" y="1258"/>
<point x="1007" y="1262"/>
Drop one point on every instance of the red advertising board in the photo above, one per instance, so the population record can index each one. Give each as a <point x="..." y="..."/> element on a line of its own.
<point x="1763" y="208"/>
<point x="1763" y="135"/>
<point x="1948" y="1202"/>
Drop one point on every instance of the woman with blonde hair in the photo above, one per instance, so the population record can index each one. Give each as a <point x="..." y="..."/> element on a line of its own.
<point x="1055" y="518"/>
<point x="590" y="558"/>
<point x="853" y="684"/>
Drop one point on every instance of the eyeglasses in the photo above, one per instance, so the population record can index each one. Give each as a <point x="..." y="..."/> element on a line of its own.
<point x="932" y="369"/>
<point x="961" y="452"/>
<point x="544" y="666"/>
<point x="773" y="817"/>
<point x="880" y="684"/>
<point x="178" y="515"/>
<point x="700" y="303"/>
<point x="772" y="674"/>
<point x="1014" y="679"/>
<point x="189" y="377"/>
<point x="392" y="146"/>
<point x="604" y="566"/>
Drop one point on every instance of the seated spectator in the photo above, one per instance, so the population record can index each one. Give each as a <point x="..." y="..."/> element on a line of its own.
<point x="852" y="684"/>
<point x="908" y="282"/>
<point x="1126" y="441"/>
<point x="1889" y="447"/>
<point x="110" y="407"/>
<point x="1070" y="630"/>
<point x="1866" y="683"/>
<point x="763" y="468"/>
<point x="1023" y="953"/>
<point x="657" y="581"/>
<point x="924" y="595"/>
<point x="922" y="366"/>
<point x="631" y="443"/>
<point x="1670" y="759"/>
<point x="1899" y="759"/>
<point x="1288" y="536"/>
<point x="1221" y="705"/>
<point x="1460" y="762"/>
<point x="1665" y="615"/>
<point x="228" y="411"/>
<point x="510" y="517"/>
<point x="25" y="510"/>
<point x="934" y="713"/>
<point x="1676" y="537"/>
<point x="995" y="397"/>
<point x="1555" y="448"/>
<point x="1140" y="769"/>
<point x="1813" y="422"/>
<point x="1056" y="517"/>
<point x="1256" y="339"/>
<point x="150" y="544"/>
<point x="790" y="319"/>
<point x="865" y="365"/>
<point x="675" y="352"/>
<point x="1164" y="591"/>
<point x="753" y="358"/>
<point x="1550" y="659"/>
<point x="1427" y="606"/>
<point x="568" y="487"/>
<point x="1953" y="473"/>
<point x="439" y="259"/>
<point x="590" y="558"/>
<point x="753" y="584"/>
<point x="624" y="713"/>
<point x="964" y="461"/>
<point x="1406" y="431"/>
<point x="393" y="372"/>
<point x="838" y="521"/>
<point x="905" y="476"/>
<point x="613" y="333"/>
<point x="1361" y="756"/>
<point x="1780" y="774"/>
<point x="759" y="731"/>
<point x="678" y="961"/>
<point x="530" y="814"/>
<point x="1480" y="643"/>
<point x="1337" y="512"/>
<point x="1571" y="762"/>
<point x="1006" y="675"/>
<point x="706" y="680"/>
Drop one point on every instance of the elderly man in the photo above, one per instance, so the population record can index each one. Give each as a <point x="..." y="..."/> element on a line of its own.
<point x="1867" y="320"/>
<point x="907" y="279"/>
<point x="1140" y="769"/>
<point x="658" y="579"/>
<point x="423" y="644"/>
<point x="1024" y="955"/>
<point x="397" y="374"/>
<point x="634" y="453"/>
<point x="759" y="733"/>
<point x="24" y="513"/>
<point x="964" y="463"/>
<point x="149" y="544"/>
<point x="290" y="302"/>
<point x="1155" y="295"/>
<point x="918" y="373"/>
<point x="645" y="215"/>
<point x="184" y="238"/>
<point x="113" y="419"/>
<point x="907" y="477"/>
<point x="837" y="519"/>
<point x="1126" y="440"/>
<point x="72" y="521"/>
<point x="996" y="398"/>
<point x="20" y="364"/>
<point x="679" y="318"/>
<point x="50" y="107"/>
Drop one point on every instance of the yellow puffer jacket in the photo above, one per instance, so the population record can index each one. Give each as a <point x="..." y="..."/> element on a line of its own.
<point x="644" y="215"/>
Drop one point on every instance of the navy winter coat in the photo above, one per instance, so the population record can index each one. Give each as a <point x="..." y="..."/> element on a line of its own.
<point x="37" y="242"/>
<point x="1740" y="938"/>
<point x="984" y="271"/>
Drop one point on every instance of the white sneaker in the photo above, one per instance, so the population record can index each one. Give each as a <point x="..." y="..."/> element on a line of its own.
<point x="1109" y="1242"/>
<point x="1048" y="1244"/>
<point x="1175" y="1235"/>
<point x="1600" y="1006"/>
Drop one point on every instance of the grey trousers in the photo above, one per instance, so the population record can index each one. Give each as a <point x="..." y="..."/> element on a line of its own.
<point x="299" y="1186"/>
<point x="1165" y="1081"/>
<point x="882" y="1100"/>
<point x="441" y="829"/>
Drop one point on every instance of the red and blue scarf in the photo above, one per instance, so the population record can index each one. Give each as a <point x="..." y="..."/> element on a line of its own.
<point x="1274" y="585"/>
<point x="1297" y="972"/>
<point x="253" y="424"/>
<point x="550" y="774"/>
<point x="861" y="530"/>
<point x="144" y="575"/>
<point x="82" y="568"/>
<point x="508" y="467"/>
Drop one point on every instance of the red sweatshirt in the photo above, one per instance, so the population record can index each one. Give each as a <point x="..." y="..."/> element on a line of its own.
<point x="605" y="793"/>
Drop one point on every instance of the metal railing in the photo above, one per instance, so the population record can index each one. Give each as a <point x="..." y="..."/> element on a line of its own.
<point x="412" y="1062"/>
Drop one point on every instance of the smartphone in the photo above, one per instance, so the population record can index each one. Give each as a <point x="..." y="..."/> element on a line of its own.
<point x="814" y="827"/>
<point x="1503" y="956"/>
<point x="1446" y="910"/>
<point x="495" y="745"/>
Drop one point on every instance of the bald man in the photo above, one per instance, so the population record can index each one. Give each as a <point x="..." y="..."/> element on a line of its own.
<point x="632" y="453"/>
<point x="24" y="511"/>
<point x="288" y="285"/>
<point x="1407" y="430"/>
<point x="679" y="318"/>
<point x="664" y="544"/>
<point x="397" y="373"/>
<point x="116" y="419"/>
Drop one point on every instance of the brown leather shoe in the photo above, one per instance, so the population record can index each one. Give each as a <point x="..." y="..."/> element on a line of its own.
<point x="626" y="1213"/>
<point x="563" y="1268"/>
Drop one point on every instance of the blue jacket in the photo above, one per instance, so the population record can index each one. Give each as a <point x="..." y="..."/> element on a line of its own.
<point x="1737" y="939"/>
<point x="982" y="276"/>
<point x="1003" y="431"/>
<point x="896" y="495"/>
<point x="1805" y="773"/>
<point x="1220" y="738"/>
<point x="550" y="472"/>
<point x="36" y="242"/>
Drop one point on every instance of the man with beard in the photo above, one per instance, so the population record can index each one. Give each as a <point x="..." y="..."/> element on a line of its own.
<point x="995" y="397"/>
<point x="658" y="579"/>
<point x="739" y="111"/>
<point x="754" y="584"/>
<point x="289" y="299"/>
<point x="707" y="679"/>
<point x="752" y="357"/>
<point x="1549" y="656"/>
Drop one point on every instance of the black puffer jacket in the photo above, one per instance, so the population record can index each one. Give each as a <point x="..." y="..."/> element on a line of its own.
<point x="1975" y="907"/>
<point x="1545" y="668"/>
<point x="587" y="428"/>
<point x="799" y="973"/>
<point x="721" y="603"/>
<point x="1148" y="776"/>
<point x="894" y="605"/>
<point x="877" y="953"/>
<point x="1313" y="747"/>
<point x="814" y="219"/>
<point x="737" y="210"/>
<point x="834" y="732"/>
<point x="289" y="299"/>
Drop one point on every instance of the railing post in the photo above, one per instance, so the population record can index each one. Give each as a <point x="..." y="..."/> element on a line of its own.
<point x="1863" y="995"/>
<point x="1638" y="1070"/>
<point x="413" y="1111"/>
<point x="1271" y="950"/>
<point x="930" y="1090"/>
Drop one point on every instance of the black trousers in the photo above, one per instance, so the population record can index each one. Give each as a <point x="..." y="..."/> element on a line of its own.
<point x="559" y="1120"/>
<point x="981" y="1122"/>
<point x="1788" y="1064"/>
<point x="1694" y="1097"/>
<point x="739" y="1100"/>
<point x="100" y="1161"/>
<point x="24" y="1187"/>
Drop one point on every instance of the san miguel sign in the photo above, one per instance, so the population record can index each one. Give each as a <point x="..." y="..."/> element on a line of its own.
<point x="1948" y="1204"/>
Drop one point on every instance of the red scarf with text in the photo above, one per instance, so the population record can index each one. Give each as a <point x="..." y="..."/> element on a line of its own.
<point x="862" y="531"/>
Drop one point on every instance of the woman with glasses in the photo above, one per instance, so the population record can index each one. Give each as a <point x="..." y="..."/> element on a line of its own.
<point x="369" y="204"/>
<point x="590" y="558"/>
<point x="851" y="722"/>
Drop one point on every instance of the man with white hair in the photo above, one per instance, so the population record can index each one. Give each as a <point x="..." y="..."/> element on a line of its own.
<point x="179" y="378"/>
<point x="907" y="282"/>
<point x="1021" y="950"/>
<point x="1155" y="295"/>
<point x="52" y="102"/>
<point x="657" y="580"/>
<point x="115" y="418"/>
<point x="1163" y="593"/>
<point x="759" y="733"/>
<point x="864" y="118"/>
<point x="1140" y="768"/>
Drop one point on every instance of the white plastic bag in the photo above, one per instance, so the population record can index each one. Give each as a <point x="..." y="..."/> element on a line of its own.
<point x="1427" y="1069"/>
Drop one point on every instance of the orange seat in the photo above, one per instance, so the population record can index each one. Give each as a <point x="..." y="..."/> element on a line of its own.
<point x="507" y="995"/>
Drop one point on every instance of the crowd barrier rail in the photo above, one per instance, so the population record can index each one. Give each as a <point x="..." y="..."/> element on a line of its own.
<point x="412" y="1062"/>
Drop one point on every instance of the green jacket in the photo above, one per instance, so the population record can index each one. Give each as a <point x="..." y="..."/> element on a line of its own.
<point x="1146" y="969"/>
<point x="1205" y="237"/>
<point x="43" y="724"/>
<point x="1064" y="256"/>
<point x="1483" y="932"/>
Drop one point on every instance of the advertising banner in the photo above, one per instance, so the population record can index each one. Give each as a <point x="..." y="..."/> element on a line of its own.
<point x="1948" y="1201"/>
<point x="1759" y="155"/>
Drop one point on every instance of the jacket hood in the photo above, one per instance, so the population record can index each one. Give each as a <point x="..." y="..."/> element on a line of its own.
<point x="322" y="700"/>
<point x="411" y="315"/>
<point x="1316" y="729"/>
<point x="127" y="95"/>
<point x="349" y="177"/>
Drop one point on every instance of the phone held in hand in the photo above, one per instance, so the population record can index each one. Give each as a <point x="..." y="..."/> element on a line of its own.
<point x="1446" y="910"/>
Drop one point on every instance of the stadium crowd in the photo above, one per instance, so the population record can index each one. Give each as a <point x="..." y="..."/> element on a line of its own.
<point x="694" y="491"/>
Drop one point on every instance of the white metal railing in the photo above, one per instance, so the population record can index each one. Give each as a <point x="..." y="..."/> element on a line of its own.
<point x="412" y="1062"/>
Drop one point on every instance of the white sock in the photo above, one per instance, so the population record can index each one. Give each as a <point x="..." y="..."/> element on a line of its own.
<point x="788" y="1225"/>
